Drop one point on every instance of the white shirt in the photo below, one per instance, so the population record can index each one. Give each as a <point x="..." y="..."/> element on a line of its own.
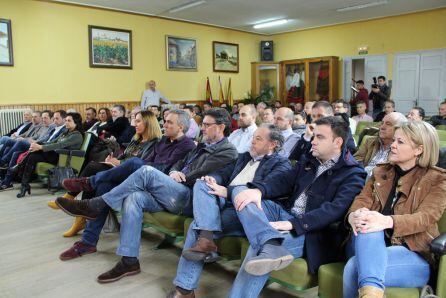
<point x="56" y="130"/>
<point x="352" y="125"/>
<point x="242" y="137"/>
<point x="152" y="98"/>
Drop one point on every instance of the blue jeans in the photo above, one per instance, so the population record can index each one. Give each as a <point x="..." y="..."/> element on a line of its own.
<point x="379" y="266"/>
<point x="6" y="143"/>
<point x="103" y="182"/>
<point x="147" y="190"/>
<point x="18" y="146"/>
<point x="211" y="213"/>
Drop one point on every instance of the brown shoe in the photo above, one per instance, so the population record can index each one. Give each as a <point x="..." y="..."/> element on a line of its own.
<point x="177" y="294"/>
<point x="203" y="250"/>
<point x="77" y="250"/>
<point x="77" y="208"/>
<point x="371" y="292"/>
<point x="77" y="184"/>
<point x="119" y="271"/>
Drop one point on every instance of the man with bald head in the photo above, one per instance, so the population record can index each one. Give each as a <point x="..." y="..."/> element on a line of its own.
<point x="375" y="150"/>
<point x="283" y="119"/>
<point x="152" y="97"/>
<point x="242" y="137"/>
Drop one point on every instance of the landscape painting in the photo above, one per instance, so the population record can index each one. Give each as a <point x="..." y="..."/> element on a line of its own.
<point x="181" y="53"/>
<point x="6" y="43"/>
<point x="225" y="56"/>
<point x="110" y="48"/>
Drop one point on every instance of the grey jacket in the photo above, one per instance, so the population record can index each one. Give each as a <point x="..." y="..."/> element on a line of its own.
<point x="209" y="159"/>
<point x="35" y="131"/>
<point x="69" y="140"/>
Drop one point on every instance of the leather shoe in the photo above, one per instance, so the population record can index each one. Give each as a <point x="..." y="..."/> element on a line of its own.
<point x="177" y="294"/>
<point x="77" y="184"/>
<point x="77" y="208"/>
<point x="119" y="271"/>
<point x="77" y="250"/>
<point x="271" y="257"/>
<point x="203" y="250"/>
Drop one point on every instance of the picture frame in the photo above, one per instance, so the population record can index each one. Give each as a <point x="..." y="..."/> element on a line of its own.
<point x="110" y="47"/>
<point x="225" y="56"/>
<point x="6" y="52"/>
<point x="181" y="53"/>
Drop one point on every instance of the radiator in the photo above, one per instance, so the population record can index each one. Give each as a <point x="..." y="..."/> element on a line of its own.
<point x="9" y="119"/>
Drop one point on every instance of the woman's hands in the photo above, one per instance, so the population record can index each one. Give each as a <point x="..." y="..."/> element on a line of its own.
<point x="365" y="221"/>
<point x="114" y="161"/>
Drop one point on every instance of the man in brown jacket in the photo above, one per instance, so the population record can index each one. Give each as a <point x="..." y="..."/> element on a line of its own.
<point x="374" y="150"/>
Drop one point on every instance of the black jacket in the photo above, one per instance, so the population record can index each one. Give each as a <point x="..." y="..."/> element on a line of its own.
<point x="116" y="128"/>
<point x="205" y="160"/>
<point x="28" y="125"/>
<point x="380" y="97"/>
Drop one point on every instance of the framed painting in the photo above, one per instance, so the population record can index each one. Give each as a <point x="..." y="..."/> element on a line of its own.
<point x="6" y="55"/>
<point x="181" y="53"/>
<point x="110" y="47"/>
<point x="225" y="56"/>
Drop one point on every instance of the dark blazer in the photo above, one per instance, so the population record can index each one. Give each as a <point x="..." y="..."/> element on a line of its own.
<point x="115" y="128"/>
<point x="209" y="160"/>
<point x="28" y="125"/>
<point x="270" y="165"/>
<point x="380" y="97"/>
<point x="69" y="140"/>
<point x="329" y="197"/>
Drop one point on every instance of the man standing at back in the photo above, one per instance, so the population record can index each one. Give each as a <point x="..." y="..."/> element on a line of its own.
<point x="152" y="97"/>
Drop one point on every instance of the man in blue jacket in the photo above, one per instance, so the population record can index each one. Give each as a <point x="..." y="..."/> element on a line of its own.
<point x="321" y="187"/>
<point x="213" y="209"/>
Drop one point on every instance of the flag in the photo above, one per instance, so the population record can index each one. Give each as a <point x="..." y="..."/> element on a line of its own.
<point x="229" y="94"/>
<point x="208" y="91"/>
<point x="221" y="96"/>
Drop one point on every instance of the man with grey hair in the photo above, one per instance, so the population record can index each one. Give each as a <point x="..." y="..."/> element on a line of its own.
<point x="375" y="150"/>
<point x="213" y="210"/>
<point x="152" y="97"/>
<point x="283" y="119"/>
<point x="241" y="138"/>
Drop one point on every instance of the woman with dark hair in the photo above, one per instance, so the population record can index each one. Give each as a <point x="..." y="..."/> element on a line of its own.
<point x="72" y="139"/>
<point x="148" y="133"/>
<point x="105" y="118"/>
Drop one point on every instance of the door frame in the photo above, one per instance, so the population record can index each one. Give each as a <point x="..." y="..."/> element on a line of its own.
<point x="344" y="93"/>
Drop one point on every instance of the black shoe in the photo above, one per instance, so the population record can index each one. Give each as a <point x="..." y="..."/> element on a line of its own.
<point x="77" y="208"/>
<point x="119" y="271"/>
<point x="4" y="187"/>
<point x="25" y="188"/>
<point x="271" y="257"/>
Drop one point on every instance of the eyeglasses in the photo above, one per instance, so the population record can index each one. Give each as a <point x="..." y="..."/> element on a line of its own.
<point x="207" y="125"/>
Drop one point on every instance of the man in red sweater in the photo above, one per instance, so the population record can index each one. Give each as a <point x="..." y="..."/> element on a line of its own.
<point x="363" y="95"/>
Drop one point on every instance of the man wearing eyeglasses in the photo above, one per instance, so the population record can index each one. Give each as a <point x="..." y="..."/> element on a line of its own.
<point x="150" y="190"/>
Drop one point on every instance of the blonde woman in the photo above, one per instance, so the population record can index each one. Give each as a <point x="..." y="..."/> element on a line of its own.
<point x="148" y="133"/>
<point x="395" y="217"/>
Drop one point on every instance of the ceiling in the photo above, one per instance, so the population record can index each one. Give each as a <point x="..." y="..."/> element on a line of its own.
<point x="243" y="14"/>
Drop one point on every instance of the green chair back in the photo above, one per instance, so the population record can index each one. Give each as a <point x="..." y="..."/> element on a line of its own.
<point x="441" y="127"/>
<point x="441" y="135"/>
<point x="363" y="124"/>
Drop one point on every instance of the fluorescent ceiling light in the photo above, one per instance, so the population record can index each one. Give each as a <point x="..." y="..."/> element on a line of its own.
<point x="270" y="24"/>
<point x="186" y="6"/>
<point x="361" y="6"/>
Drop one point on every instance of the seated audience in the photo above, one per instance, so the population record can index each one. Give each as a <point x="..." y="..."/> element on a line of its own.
<point x="389" y="107"/>
<point x="22" y="128"/>
<point x="361" y="113"/>
<point x="132" y="116"/>
<point x="242" y="137"/>
<point x="268" y="115"/>
<point x="260" y="108"/>
<point x="198" y="114"/>
<point x="207" y="106"/>
<point x="283" y="119"/>
<point x="298" y="107"/>
<point x="90" y="118"/>
<point x="119" y="128"/>
<point x="299" y="226"/>
<point x="150" y="190"/>
<point x="71" y="139"/>
<point x="105" y="118"/>
<point x="375" y="150"/>
<point x="319" y="110"/>
<point x="277" y="104"/>
<point x="416" y="114"/>
<point x="147" y="135"/>
<point x="235" y="112"/>
<point x="439" y="119"/>
<point x="308" y="107"/>
<point x="193" y="130"/>
<point x="299" y="125"/>
<point x="391" y="235"/>
<point x="342" y="107"/>
<point x="214" y="214"/>
<point x="157" y="111"/>
<point x="361" y="96"/>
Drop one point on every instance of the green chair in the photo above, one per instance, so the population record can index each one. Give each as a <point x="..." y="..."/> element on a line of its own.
<point x="441" y="127"/>
<point x="76" y="162"/>
<point x="171" y="225"/>
<point x="330" y="277"/>
<point x="441" y="134"/>
<point x="229" y="248"/>
<point x="361" y="125"/>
